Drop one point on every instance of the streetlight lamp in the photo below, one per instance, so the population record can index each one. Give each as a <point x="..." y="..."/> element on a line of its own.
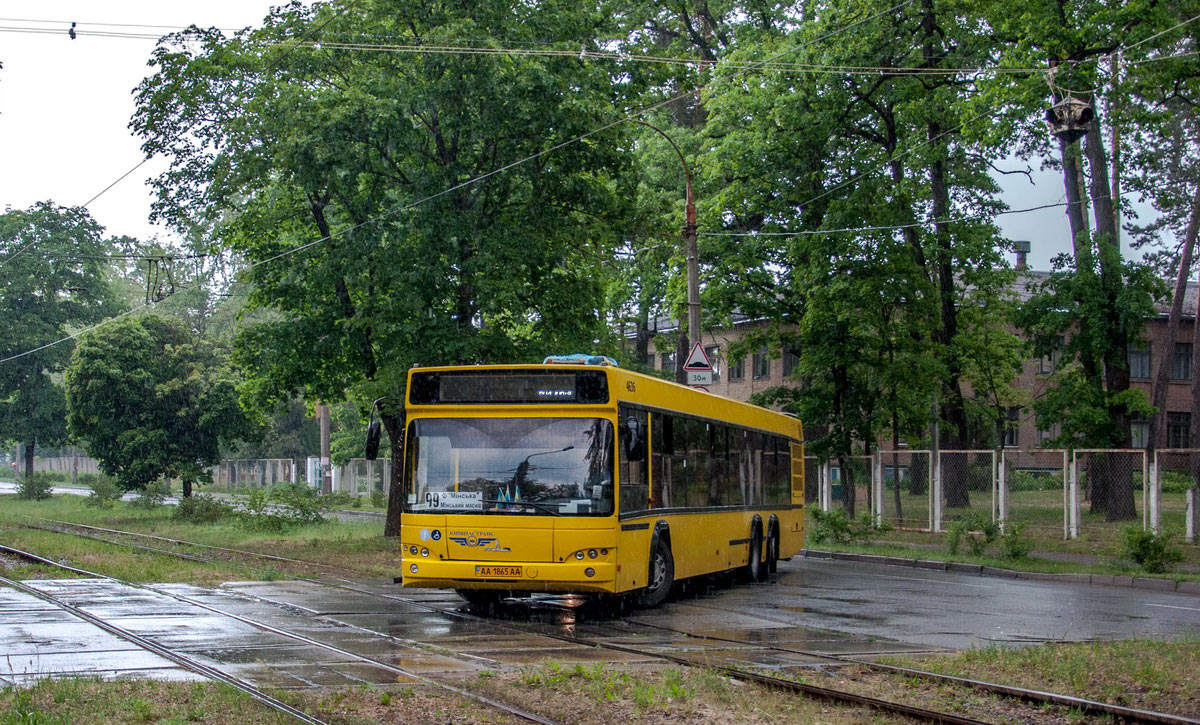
<point x="693" y="263"/>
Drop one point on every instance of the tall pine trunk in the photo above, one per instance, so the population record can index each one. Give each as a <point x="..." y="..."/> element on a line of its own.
<point x="1158" y="428"/>
<point x="394" y="425"/>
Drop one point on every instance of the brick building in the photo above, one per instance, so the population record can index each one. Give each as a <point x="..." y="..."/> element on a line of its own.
<point x="741" y="378"/>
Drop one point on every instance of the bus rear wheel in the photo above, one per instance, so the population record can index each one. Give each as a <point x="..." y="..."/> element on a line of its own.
<point x="772" y="563"/>
<point x="754" y="564"/>
<point x="660" y="576"/>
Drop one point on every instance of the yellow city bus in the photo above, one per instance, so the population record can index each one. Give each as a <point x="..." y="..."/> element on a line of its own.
<point x="590" y="479"/>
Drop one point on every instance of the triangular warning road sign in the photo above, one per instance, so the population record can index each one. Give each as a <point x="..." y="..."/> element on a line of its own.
<point x="698" y="359"/>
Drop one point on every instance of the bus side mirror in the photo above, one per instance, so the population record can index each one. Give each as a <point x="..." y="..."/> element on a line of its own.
<point x="374" y="431"/>
<point x="634" y="439"/>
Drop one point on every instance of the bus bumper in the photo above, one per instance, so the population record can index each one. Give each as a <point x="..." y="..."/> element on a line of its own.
<point x="540" y="576"/>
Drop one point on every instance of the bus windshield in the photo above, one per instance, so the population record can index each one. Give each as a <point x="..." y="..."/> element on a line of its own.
<point x="533" y="466"/>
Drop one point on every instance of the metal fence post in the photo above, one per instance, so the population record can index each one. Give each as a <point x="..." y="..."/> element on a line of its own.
<point x="1072" y="499"/>
<point x="1001" y="493"/>
<point x="877" y="489"/>
<point x="826" y="486"/>
<point x="1191" y="517"/>
<point x="1153" y="485"/>
<point x="935" y="491"/>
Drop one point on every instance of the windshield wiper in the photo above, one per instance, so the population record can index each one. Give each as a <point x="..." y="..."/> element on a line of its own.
<point x="538" y="506"/>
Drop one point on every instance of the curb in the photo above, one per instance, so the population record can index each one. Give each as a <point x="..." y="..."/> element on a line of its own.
<point x="1110" y="580"/>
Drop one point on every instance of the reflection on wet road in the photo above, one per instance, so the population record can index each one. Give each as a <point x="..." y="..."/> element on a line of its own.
<point x="815" y="607"/>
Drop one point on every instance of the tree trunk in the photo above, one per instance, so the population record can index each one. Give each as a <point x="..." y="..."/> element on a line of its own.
<point x="29" y="449"/>
<point x="1194" y="427"/>
<point x="848" y="492"/>
<point x="187" y="488"/>
<point x="1119" y="505"/>
<point x="1158" y="428"/>
<point x="395" y="429"/>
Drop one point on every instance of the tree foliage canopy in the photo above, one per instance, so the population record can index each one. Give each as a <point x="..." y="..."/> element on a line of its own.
<point x="152" y="400"/>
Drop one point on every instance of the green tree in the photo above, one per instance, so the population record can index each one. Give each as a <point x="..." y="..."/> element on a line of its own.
<point x="373" y="173"/>
<point x="54" y="281"/>
<point x="799" y="156"/>
<point x="1081" y="43"/>
<point x="152" y="400"/>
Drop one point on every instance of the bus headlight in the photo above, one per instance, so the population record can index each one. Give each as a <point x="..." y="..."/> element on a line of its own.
<point x="413" y="568"/>
<point x="412" y="550"/>
<point x="424" y="552"/>
<point x="579" y="555"/>
<point x="589" y="571"/>
<point x="591" y="553"/>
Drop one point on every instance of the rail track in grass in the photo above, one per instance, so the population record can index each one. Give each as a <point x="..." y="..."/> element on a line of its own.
<point x="1038" y="697"/>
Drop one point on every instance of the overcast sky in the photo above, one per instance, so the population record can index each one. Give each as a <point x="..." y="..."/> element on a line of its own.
<point x="65" y="107"/>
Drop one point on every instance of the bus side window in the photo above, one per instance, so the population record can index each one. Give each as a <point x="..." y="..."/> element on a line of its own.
<point x="662" y="445"/>
<point x="633" y="484"/>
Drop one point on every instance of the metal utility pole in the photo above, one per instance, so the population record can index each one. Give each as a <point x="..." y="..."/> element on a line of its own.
<point x="326" y="467"/>
<point x="692" y="251"/>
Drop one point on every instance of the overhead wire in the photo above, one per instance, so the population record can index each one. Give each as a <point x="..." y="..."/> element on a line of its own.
<point x="146" y="160"/>
<point x="889" y="227"/>
<point x="472" y="181"/>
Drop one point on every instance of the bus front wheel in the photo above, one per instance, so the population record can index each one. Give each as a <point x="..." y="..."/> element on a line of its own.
<point x="486" y="598"/>
<point x="660" y="576"/>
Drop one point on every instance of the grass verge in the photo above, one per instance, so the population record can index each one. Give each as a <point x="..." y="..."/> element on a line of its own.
<point x="1140" y="673"/>
<point x="358" y="546"/>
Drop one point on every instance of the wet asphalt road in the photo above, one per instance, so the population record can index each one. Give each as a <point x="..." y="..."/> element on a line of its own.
<point x="831" y="607"/>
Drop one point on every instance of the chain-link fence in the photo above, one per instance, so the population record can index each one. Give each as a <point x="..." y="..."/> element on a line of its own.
<point x="1177" y="472"/>
<point x="904" y="497"/>
<point x="1106" y="494"/>
<point x="812" y="480"/>
<point x="1090" y="494"/>
<point x="1033" y="490"/>
<point x="849" y="484"/>
<point x="967" y="484"/>
<point x="65" y="464"/>
<point x="361" y="477"/>
<point x="253" y="473"/>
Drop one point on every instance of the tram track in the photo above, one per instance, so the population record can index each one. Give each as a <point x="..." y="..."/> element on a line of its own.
<point x="200" y="668"/>
<point x="1023" y="694"/>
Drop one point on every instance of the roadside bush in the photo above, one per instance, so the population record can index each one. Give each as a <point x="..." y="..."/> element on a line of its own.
<point x="973" y="529"/>
<point x="1034" y="481"/>
<point x="835" y="526"/>
<point x="1153" y="552"/>
<point x="105" y="491"/>
<point x="35" y="487"/>
<point x="1177" y="482"/>
<point x="1013" y="544"/>
<point x="201" y="509"/>
<point x="153" y="494"/>
<point x="280" y="508"/>
<point x="378" y="498"/>
<point x="301" y="503"/>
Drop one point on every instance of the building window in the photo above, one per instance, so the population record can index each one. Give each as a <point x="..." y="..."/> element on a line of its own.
<point x="1048" y="363"/>
<point x="1178" y="433"/>
<point x="790" y="360"/>
<point x="1139" y="430"/>
<point x="668" y="361"/>
<point x="649" y="361"/>
<point x="737" y="369"/>
<point x="1012" y="427"/>
<point x="713" y="353"/>
<point x="1139" y="362"/>
<point x="762" y="364"/>
<point x="1045" y="434"/>
<point x="1181" y="364"/>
